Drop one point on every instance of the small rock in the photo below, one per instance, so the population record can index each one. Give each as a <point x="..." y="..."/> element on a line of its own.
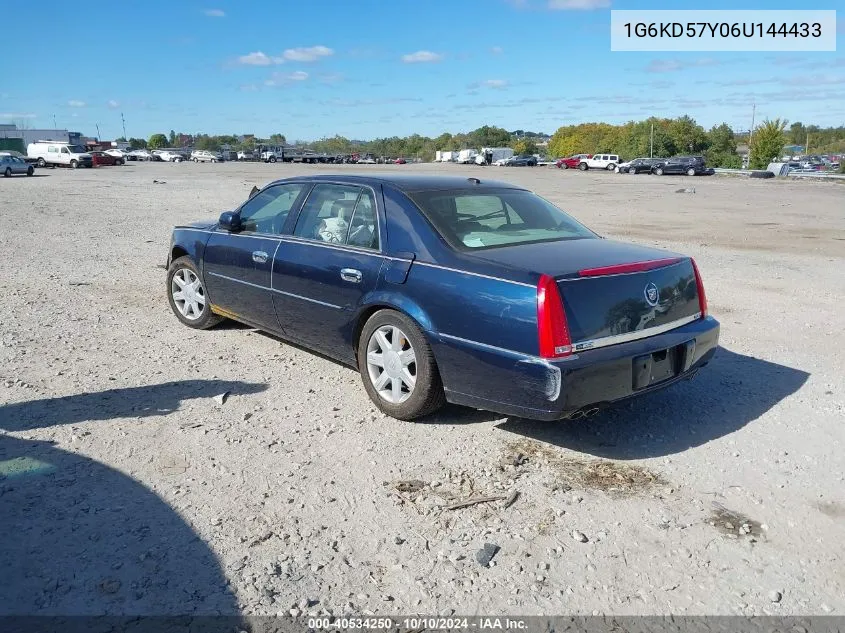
<point x="398" y="540"/>
<point x="485" y="555"/>
<point x="110" y="585"/>
<point x="579" y="536"/>
<point x="775" y="596"/>
<point x="247" y="415"/>
<point x="387" y="598"/>
<point x="295" y="613"/>
<point x="221" y="399"/>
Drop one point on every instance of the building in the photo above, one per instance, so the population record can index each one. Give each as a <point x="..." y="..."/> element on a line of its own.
<point x="12" y="137"/>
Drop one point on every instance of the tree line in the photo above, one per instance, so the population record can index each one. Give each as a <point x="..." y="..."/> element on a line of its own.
<point x="658" y="137"/>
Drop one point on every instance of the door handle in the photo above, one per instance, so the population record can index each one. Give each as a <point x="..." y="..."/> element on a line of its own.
<point x="350" y="274"/>
<point x="259" y="256"/>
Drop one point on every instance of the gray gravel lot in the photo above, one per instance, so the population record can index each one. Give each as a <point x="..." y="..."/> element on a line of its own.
<point x="126" y="487"/>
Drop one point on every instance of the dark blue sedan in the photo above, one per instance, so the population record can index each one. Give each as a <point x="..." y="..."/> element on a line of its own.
<point x="448" y="289"/>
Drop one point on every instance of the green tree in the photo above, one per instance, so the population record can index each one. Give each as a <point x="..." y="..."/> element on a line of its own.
<point x="137" y="143"/>
<point x="722" y="151"/>
<point x="172" y="138"/>
<point x="797" y="133"/>
<point x="157" y="141"/>
<point x="524" y="146"/>
<point x="278" y="139"/>
<point x="688" y="136"/>
<point x="767" y="143"/>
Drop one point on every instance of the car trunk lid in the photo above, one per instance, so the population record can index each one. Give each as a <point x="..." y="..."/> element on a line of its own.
<point x="611" y="291"/>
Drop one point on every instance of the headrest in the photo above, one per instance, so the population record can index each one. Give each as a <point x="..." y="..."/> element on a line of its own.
<point x="342" y="209"/>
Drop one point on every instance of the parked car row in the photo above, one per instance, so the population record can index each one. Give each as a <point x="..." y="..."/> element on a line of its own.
<point x="689" y="165"/>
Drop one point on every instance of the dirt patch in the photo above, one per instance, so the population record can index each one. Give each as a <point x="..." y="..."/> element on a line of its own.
<point x="734" y="524"/>
<point x="614" y="478"/>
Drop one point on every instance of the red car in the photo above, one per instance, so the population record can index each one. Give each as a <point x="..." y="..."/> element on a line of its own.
<point x="101" y="158"/>
<point x="399" y="161"/>
<point x="571" y="162"/>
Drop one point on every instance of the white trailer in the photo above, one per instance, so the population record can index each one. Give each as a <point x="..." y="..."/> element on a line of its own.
<point x="467" y="156"/>
<point x="448" y="157"/>
<point x="438" y="156"/>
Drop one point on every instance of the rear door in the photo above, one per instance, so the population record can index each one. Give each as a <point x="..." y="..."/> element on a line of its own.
<point x="237" y="265"/>
<point x="325" y="269"/>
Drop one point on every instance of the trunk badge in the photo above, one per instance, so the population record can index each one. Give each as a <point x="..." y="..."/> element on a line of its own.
<point x="652" y="294"/>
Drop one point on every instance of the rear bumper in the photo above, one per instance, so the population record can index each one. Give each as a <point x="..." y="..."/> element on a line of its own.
<point x="497" y="380"/>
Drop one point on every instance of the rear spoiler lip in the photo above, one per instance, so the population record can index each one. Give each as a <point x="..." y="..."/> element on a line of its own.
<point x="616" y="270"/>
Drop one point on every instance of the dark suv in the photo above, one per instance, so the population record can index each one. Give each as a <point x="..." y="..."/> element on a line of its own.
<point x="689" y="165"/>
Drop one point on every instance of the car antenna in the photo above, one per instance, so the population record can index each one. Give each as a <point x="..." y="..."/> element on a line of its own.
<point x="475" y="180"/>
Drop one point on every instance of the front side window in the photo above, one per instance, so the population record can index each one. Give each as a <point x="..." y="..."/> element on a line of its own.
<point x="339" y="214"/>
<point x="470" y="220"/>
<point x="267" y="211"/>
<point x="64" y="150"/>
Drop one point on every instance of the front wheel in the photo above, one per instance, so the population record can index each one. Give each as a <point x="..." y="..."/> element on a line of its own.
<point x="8" y="172"/>
<point x="632" y="170"/>
<point x="690" y="172"/>
<point x="398" y="368"/>
<point x="564" y="166"/>
<point x="272" y="159"/>
<point x="582" y="166"/>
<point x="187" y="296"/>
<point x="659" y="171"/>
<point x="611" y="167"/>
<point x="74" y="164"/>
<point x="30" y="171"/>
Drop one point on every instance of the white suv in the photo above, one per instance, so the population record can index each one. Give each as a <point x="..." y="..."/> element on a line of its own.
<point x="599" y="161"/>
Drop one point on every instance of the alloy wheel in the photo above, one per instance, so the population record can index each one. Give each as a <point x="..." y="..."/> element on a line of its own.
<point x="188" y="294"/>
<point x="391" y="364"/>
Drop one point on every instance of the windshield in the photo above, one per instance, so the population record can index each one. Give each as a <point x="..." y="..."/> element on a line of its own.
<point x="472" y="219"/>
<point x="76" y="149"/>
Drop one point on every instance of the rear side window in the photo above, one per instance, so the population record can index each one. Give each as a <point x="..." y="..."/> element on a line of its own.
<point x="474" y="220"/>
<point x="339" y="214"/>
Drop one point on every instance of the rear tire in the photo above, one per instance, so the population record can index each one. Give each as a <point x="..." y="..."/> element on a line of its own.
<point x="30" y="171"/>
<point x="564" y="166"/>
<point x="690" y="172"/>
<point x="205" y="318"/>
<point x="8" y="172"/>
<point x="632" y="170"/>
<point x="659" y="171"/>
<point x="611" y="167"/>
<point x="42" y="162"/>
<point x="427" y="395"/>
<point x="583" y="166"/>
<point x="272" y="159"/>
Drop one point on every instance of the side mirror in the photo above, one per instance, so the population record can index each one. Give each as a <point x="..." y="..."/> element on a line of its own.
<point x="229" y="221"/>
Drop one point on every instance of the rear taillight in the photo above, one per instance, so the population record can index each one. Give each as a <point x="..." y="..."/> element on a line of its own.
<point x="702" y="297"/>
<point x="551" y="320"/>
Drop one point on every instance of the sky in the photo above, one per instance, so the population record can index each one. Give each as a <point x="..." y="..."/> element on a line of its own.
<point x="375" y="68"/>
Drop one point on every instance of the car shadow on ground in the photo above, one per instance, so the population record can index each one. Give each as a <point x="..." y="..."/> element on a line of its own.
<point x="145" y="401"/>
<point x="731" y="391"/>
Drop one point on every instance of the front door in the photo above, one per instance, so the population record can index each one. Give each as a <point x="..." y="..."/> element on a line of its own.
<point x="323" y="271"/>
<point x="238" y="264"/>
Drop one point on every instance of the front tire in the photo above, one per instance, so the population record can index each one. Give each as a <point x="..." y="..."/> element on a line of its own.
<point x="187" y="297"/>
<point x="74" y="164"/>
<point x="564" y="166"/>
<point x="611" y="167"/>
<point x="398" y="368"/>
<point x="8" y="172"/>
<point x="658" y="171"/>
<point x="632" y="170"/>
<point x="30" y="171"/>
<point x="690" y="172"/>
<point x="272" y="159"/>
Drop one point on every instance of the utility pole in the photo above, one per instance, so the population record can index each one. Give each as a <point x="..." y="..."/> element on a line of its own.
<point x="55" y="127"/>
<point x="123" y="121"/>
<point x="651" y="152"/>
<point x="751" y="133"/>
<point x="97" y="125"/>
<point x="807" y="148"/>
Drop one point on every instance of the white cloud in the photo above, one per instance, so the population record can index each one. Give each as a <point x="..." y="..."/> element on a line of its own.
<point x="16" y="115"/>
<point x="307" y="54"/>
<point x="497" y="50"/>
<point x="578" y="5"/>
<point x="421" y="57"/>
<point x="672" y="65"/>
<point x="280" y="79"/>
<point x="259" y="59"/>
<point x="76" y="103"/>
<point x="113" y="104"/>
<point x="215" y="13"/>
<point x="494" y="83"/>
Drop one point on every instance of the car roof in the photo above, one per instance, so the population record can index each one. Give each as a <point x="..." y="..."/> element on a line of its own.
<point x="410" y="183"/>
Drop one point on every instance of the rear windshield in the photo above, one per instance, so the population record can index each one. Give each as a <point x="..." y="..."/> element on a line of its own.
<point x="473" y="219"/>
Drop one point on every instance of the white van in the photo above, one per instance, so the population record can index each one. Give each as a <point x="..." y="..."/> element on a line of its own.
<point x="59" y="153"/>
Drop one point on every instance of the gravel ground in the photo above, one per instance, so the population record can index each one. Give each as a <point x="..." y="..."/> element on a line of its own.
<point x="128" y="486"/>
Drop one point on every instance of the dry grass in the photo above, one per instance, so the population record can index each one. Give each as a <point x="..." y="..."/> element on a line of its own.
<point x="614" y="478"/>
